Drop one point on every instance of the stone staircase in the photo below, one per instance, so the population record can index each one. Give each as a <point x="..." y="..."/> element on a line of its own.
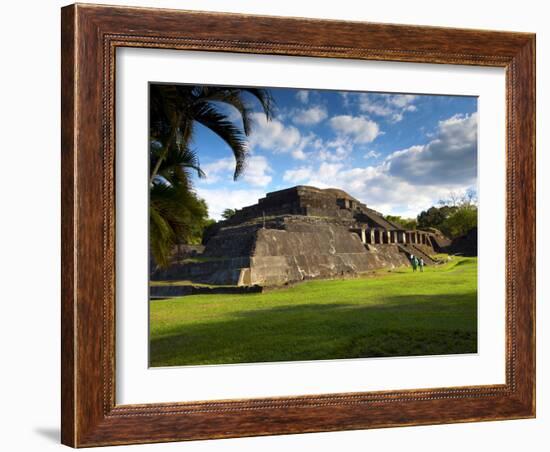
<point x="411" y="248"/>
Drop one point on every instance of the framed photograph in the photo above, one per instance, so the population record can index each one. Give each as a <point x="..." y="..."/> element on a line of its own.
<point x="282" y="225"/>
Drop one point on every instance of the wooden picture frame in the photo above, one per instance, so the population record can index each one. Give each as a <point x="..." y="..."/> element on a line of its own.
<point x="90" y="36"/>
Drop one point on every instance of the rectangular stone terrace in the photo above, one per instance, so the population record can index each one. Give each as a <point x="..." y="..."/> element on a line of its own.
<point x="303" y="233"/>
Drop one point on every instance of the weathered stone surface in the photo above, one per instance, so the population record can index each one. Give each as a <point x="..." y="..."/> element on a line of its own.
<point x="275" y="270"/>
<point x="278" y="256"/>
<point x="180" y="291"/>
<point x="302" y="233"/>
<point x="186" y="251"/>
<point x="179" y="253"/>
<point x="312" y="202"/>
<point x="232" y="242"/>
<point x="466" y="244"/>
<point x="420" y="251"/>
<point x="438" y="241"/>
<point x="222" y="271"/>
<point x="311" y="239"/>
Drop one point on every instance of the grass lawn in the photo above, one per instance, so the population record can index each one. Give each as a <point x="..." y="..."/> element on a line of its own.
<point x="396" y="313"/>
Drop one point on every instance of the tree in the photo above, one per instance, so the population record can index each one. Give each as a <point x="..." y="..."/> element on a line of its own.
<point x="406" y="223"/>
<point x="455" y="199"/>
<point x="176" y="213"/>
<point x="455" y="217"/>
<point x="434" y="216"/>
<point x="176" y="109"/>
<point x="460" y="222"/>
<point x="228" y="213"/>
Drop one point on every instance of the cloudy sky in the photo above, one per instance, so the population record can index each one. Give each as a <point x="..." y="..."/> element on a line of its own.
<point x="398" y="153"/>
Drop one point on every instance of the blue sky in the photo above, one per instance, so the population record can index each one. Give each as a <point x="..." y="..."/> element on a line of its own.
<point x="398" y="153"/>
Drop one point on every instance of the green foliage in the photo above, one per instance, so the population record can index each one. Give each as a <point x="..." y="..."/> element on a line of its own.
<point x="406" y="223"/>
<point x="455" y="216"/>
<point x="460" y="222"/>
<point x="175" y="109"/>
<point x="228" y="213"/>
<point x="177" y="215"/>
<point x="434" y="216"/>
<point x="396" y="313"/>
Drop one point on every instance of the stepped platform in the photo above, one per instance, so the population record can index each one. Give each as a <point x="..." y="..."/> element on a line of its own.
<point x="297" y="234"/>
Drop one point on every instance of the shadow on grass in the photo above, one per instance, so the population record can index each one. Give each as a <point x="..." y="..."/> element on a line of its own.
<point x="404" y="325"/>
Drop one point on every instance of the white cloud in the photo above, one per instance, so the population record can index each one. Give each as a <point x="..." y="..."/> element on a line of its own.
<point x="218" y="200"/>
<point x="298" y="154"/>
<point x="256" y="171"/>
<point x="391" y="106"/>
<point x="310" y="116"/>
<point x="218" y="169"/>
<point x="308" y="144"/>
<point x="450" y="158"/>
<point x="396" y="117"/>
<point x="402" y="100"/>
<point x="273" y="135"/>
<point x="298" y="175"/>
<point x="327" y="173"/>
<point x="405" y="183"/>
<point x="378" y="109"/>
<point x="372" y="154"/>
<point x="410" y="180"/>
<point x="345" y="98"/>
<point x="336" y="150"/>
<point x="303" y="96"/>
<point x="374" y="186"/>
<point x="360" y="129"/>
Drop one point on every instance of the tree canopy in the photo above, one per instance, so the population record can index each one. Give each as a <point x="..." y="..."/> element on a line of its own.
<point x="176" y="213"/>
<point x="228" y="213"/>
<point x="407" y="223"/>
<point x="454" y="217"/>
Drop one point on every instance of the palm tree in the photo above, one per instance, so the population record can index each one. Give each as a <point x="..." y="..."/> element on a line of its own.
<point x="175" y="211"/>
<point x="175" y="110"/>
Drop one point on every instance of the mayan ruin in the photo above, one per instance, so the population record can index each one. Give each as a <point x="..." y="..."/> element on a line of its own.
<point x="302" y="233"/>
<point x="294" y="224"/>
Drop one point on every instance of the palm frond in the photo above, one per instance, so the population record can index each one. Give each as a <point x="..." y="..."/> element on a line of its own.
<point x="235" y="98"/>
<point x="176" y="213"/>
<point x="180" y="158"/>
<point x="265" y="99"/>
<point x="211" y="118"/>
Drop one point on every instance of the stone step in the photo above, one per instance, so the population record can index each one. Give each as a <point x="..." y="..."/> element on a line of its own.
<point x="174" y="290"/>
<point x="411" y="248"/>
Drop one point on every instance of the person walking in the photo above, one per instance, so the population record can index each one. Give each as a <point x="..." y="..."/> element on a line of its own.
<point x="414" y="262"/>
<point x="421" y="264"/>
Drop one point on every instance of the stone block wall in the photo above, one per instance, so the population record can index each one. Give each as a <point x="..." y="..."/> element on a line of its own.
<point x="293" y="251"/>
<point x="313" y="239"/>
<point x="301" y="233"/>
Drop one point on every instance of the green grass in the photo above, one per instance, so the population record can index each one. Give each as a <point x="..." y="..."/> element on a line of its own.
<point x="397" y="313"/>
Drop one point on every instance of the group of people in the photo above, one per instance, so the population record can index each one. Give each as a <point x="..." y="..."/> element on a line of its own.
<point x="417" y="263"/>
